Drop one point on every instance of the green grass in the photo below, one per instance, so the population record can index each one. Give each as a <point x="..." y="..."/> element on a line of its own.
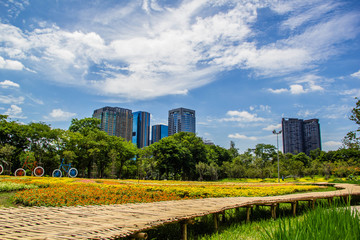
<point x="10" y="186"/>
<point x="233" y="226"/>
<point x="321" y="224"/>
<point x="250" y="231"/>
<point x="8" y="190"/>
<point x="6" y="199"/>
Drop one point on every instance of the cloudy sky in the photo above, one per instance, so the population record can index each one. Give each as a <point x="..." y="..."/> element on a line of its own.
<point x="243" y="65"/>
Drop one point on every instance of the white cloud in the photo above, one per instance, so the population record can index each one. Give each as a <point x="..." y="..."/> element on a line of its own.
<point x="272" y="127"/>
<point x="335" y="111"/>
<point x="320" y="39"/>
<point x="332" y="145"/>
<point x="312" y="13"/>
<point x="356" y="75"/>
<point x="351" y="92"/>
<point x="278" y="91"/>
<point x="10" y="64"/>
<point x="15" y="112"/>
<point x="35" y="100"/>
<point x="306" y="113"/>
<point x="175" y="48"/>
<point x="297" y="89"/>
<point x="242" y="116"/>
<point x="8" y="83"/>
<point x="304" y="84"/>
<point x="240" y="136"/>
<point x="58" y="115"/>
<point x="11" y="100"/>
<point x="260" y="108"/>
<point x="14" y="7"/>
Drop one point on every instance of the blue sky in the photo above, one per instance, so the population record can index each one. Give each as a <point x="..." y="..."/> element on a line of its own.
<point x="242" y="65"/>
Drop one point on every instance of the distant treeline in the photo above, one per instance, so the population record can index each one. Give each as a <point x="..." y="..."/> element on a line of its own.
<point x="183" y="156"/>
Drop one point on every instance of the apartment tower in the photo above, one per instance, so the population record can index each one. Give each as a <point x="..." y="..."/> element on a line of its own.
<point x="158" y="132"/>
<point x="141" y="129"/>
<point x="300" y="135"/>
<point x="181" y="120"/>
<point x="115" y="121"/>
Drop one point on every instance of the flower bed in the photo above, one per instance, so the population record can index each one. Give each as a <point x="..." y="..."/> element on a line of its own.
<point x="72" y="192"/>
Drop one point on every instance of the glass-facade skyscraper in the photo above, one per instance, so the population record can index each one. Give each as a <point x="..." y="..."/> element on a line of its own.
<point x="115" y="121"/>
<point x="141" y="129"/>
<point x="158" y="132"/>
<point x="181" y="120"/>
<point x="300" y="135"/>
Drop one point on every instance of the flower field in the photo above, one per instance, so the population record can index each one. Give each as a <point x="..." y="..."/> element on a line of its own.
<point x="71" y="192"/>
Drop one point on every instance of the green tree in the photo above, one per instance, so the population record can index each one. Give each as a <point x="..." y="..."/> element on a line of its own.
<point x="42" y="142"/>
<point x="194" y="151"/>
<point x="149" y="165"/>
<point x="201" y="170"/>
<point x="120" y="152"/>
<point x="85" y="145"/>
<point x="218" y="154"/>
<point x="13" y="134"/>
<point x="85" y="125"/>
<point x="6" y="153"/>
<point x="171" y="156"/>
<point x="234" y="168"/>
<point x="233" y="151"/>
<point x="352" y="139"/>
<point x="265" y="151"/>
<point x="98" y="150"/>
<point x="302" y="157"/>
<point x="74" y="148"/>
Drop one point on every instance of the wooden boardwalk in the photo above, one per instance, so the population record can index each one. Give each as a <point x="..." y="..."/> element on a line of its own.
<point x="110" y="221"/>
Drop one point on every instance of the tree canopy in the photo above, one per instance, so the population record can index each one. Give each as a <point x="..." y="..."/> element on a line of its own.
<point x="182" y="156"/>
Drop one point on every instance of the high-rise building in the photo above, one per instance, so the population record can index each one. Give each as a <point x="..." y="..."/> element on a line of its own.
<point x="115" y="121"/>
<point x="312" y="139"/>
<point x="158" y="132"/>
<point x="141" y="129"/>
<point x="300" y="136"/>
<point x="181" y="120"/>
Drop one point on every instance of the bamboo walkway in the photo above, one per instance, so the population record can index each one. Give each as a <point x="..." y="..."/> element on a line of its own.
<point x="115" y="221"/>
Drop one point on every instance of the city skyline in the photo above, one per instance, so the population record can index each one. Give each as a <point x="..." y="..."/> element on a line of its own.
<point x="242" y="66"/>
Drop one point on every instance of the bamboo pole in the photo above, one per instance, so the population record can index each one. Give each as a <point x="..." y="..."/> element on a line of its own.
<point x="273" y="210"/>
<point x="184" y="230"/>
<point x="313" y="203"/>
<point x="293" y="207"/>
<point x="216" y="221"/>
<point x="139" y="235"/>
<point x="248" y="209"/>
